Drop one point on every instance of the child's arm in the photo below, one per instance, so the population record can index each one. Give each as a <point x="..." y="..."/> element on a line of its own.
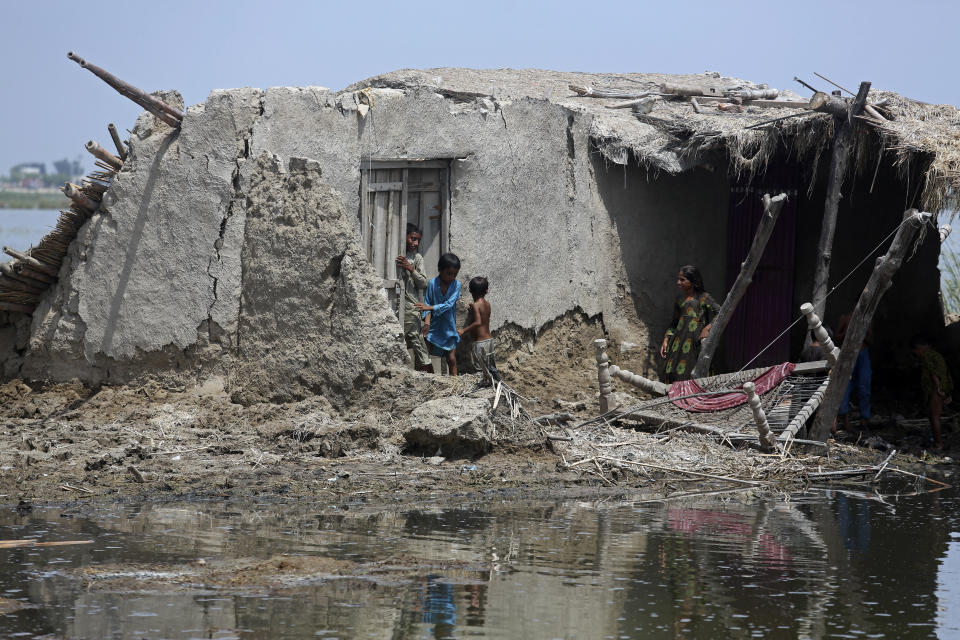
<point x="425" y="329"/>
<point x="445" y="305"/>
<point x="474" y="316"/>
<point x="428" y="297"/>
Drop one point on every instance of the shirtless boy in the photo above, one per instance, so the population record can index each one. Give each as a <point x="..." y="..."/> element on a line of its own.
<point x="478" y="328"/>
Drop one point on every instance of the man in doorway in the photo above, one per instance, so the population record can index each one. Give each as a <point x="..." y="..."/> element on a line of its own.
<point x="415" y="283"/>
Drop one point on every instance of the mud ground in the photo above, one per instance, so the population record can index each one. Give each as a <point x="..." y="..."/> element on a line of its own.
<point x="67" y="442"/>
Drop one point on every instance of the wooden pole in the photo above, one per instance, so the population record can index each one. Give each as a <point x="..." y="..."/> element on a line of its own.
<point x="768" y="441"/>
<point x="31" y="261"/>
<point x="118" y="143"/>
<point x="833" y="83"/>
<point x="99" y="152"/>
<point x="830" y="350"/>
<point x="771" y="211"/>
<point x="844" y="127"/>
<point x="603" y="375"/>
<point x="826" y="103"/>
<point x="75" y="193"/>
<point x="877" y="285"/>
<point x="154" y="105"/>
<point x="650" y="386"/>
<point x="873" y="113"/>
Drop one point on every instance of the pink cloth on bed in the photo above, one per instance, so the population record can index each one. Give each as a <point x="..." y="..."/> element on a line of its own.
<point x="764" y="382"/>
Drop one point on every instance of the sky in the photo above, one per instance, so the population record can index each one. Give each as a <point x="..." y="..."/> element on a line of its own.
<point x="50" y="106"/>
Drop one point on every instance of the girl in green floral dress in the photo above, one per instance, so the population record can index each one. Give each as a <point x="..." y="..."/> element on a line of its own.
<point x="693" y="313"/>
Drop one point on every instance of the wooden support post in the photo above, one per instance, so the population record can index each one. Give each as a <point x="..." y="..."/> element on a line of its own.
<point x="825" y="103"/>
<point x="844" y="126"/>
<point x="154" y="105"/>
<point x="117" y="142"/>
<point x="99" y="152"/>
<point x="877" y="285"/>
<point x="768" y="441"/>
<point x="873" y="113"/>
<point x="603" y="376"/>
<point x="650" y="386"/>
<point x="79" y="198"/>
<point x="31" y="261"/>
<point x="771" y="211"/>
<point x="830" y="350"/>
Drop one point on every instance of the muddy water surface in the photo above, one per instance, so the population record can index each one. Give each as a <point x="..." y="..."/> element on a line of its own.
<point x="821" y="564"/>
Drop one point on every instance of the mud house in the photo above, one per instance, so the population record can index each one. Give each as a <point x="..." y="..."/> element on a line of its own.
<point x="255" y="239"/>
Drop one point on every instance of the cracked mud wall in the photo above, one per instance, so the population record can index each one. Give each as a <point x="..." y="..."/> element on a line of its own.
<point x="160" y="264"/>
<point x="158" y="283"/>
<point x="524" y="207"/>
<point x="313" y="319"/>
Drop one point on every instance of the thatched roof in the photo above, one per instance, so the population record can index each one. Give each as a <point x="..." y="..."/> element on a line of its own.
<point x="674" y="138"/>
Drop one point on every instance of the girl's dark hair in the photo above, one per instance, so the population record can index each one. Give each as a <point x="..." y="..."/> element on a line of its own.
<point x="412" y="228"/>
<point x="448" y="260"/>
<point x="692" y="274"/>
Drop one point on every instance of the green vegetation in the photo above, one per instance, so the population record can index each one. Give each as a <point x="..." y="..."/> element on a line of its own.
<point x="32" y="200"/>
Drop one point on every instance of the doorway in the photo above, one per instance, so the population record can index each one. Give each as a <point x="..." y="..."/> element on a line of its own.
<point x="394" y="193"/>
<point x="766" y="308"/>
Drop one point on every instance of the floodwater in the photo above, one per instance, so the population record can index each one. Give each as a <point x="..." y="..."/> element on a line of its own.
<point x="823" y="564"/>
<point x="22" y="228"/>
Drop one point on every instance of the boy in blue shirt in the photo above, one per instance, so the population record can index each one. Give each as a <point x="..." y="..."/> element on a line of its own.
<point x="439" y="309"/>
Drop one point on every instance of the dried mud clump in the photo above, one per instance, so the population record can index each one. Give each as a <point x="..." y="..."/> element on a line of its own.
<point x="312" y="316"/>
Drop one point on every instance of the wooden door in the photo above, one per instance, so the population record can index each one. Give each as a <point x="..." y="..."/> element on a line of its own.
<point x="383" y="221"/>
<point x="425" y="208"/>
<point x="395" y="192"/>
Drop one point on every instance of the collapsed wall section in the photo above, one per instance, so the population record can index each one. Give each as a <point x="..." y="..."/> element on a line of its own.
<point x="313" y="319"/>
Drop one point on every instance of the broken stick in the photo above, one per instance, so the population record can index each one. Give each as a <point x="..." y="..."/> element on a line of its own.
<point x="154" y="105"/>
<point x="75" y="193"/>
<point x="771" y="211"/>
<point x="877" y="285"/>
<point x="650" y="386"/>
<point x="31" y="261"/>
<point x="102" y="154"/>
<point x="121" y="148"/>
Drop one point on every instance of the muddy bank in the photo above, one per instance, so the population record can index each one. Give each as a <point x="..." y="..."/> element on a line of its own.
<point x="407" y="436"/>
<point x="411" y="434"/>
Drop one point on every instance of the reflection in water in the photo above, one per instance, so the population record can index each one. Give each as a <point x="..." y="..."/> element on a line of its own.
<point x="819" y="565"/>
